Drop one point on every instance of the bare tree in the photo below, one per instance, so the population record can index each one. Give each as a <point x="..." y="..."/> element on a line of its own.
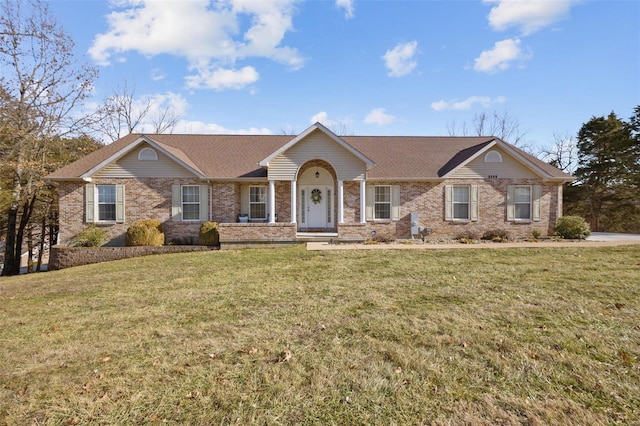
<point x="41" y="86"/>
<point x="501" y="125"/>
<point x="563" y="153"/>
<point x="122" y="114"/>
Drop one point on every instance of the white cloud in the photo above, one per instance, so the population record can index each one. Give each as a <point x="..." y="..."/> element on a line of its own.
<point x="501" y="57"/>
<point x="399" y="60"/>
<point x="529" y="16"/>
<point x="347" y="5"/>
<point x="207" y="34"/>
<point x="341" y="126"/>
<point x="380" y="117"/>
<point x="323" y="118"/>
<point x="220" y="79"/>
<point x="199" y="127"/>
<point x="467" y="104"/>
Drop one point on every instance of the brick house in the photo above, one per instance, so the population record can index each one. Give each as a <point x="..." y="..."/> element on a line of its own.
<point x="279" y="188"/>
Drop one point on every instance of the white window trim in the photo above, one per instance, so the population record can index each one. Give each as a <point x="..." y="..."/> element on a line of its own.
<point x="98" y="204"/>
<point x="515" y="210"/>
<point x="390" y="203"/>
<point x="183" y="203"/>
<point x="493" y="157"/>
<point x="147" y="154"/>
<point x="92" y="205"/>
<point x="266" y="193"/>
<point x="454" y="202"/>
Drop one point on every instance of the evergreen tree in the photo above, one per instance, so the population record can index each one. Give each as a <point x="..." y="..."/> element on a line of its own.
<point x="606" y="191"/>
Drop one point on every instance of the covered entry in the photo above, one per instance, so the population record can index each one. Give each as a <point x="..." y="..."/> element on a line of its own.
<point x="316" y="199"/>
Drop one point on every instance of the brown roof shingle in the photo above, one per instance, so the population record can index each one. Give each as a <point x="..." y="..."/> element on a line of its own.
<point x="237" y="156"/>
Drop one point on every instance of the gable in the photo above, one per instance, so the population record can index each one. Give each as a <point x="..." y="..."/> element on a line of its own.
<point x="316" y="145"/>
<point x="131" y="165"/>
<point x="484" y="165"/>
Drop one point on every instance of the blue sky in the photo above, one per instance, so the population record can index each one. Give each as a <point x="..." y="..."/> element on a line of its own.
<point x="365" y="67"/>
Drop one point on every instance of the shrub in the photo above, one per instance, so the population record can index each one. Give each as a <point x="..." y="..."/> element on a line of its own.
<point x="144" y="233"/>
<point x="573" y="227"/>
<point x="467" y="235"/>
<point x="496" y="235"/>
<point x="379" y="238"/>
<point x="90" y="237"/>
<point x="209" y="234"/>
<point x="536" y="233"/>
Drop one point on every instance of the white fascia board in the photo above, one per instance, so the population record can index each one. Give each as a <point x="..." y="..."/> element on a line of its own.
<point x="168" y="153"/>
<point x="500" y="143"/>
<point x="524" y="161"/>
<point x="307" y="132"/>
<point x="470" y="159"/>
<point x="121" y="153"/>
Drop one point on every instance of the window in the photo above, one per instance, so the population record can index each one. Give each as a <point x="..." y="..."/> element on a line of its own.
<point x="106" y="203"/>
<point x="191" y="202"/>
<point x="147" y="154"/>
<point x="382" y="202"/>
<point x="461" y="203"/>
<point x="522" y="202"/>
<point x="258" y="202"/>
<point x="493" y="157"/>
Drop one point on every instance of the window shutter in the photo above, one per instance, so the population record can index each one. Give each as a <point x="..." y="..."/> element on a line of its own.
<point x="89" y="202"/>
<point x="448" y="202"/>
<point x="474" y="203"/>
<point x="395" y="202"/>
<point x="369" y="202"/>
<point x="511" y="207"/>
<point x="244" y="199"/>
<point x="535" y="196"/>
<point x="204" y="203"/>
<point x="120" y="203"/>
<point x="176" y="203"/>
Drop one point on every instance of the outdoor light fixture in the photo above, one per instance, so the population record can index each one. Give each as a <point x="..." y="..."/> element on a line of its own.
<point x="317" y="174"/>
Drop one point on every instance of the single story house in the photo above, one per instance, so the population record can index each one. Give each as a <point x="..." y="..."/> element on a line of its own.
<point x="280" y="188"/>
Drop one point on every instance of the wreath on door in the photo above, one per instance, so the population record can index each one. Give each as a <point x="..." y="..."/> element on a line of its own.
<point x="316" y="196"/>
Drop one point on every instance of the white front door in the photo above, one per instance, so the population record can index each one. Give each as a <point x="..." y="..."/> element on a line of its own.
<point x="316" y="206"/>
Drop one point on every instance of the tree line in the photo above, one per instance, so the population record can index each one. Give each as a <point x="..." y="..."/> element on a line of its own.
<point x="44" y="125"/>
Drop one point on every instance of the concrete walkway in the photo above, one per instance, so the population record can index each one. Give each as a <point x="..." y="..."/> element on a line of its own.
<point x="597" y="239"/>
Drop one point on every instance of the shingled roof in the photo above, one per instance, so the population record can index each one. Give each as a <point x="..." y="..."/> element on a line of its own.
<point x="238" y="156"/>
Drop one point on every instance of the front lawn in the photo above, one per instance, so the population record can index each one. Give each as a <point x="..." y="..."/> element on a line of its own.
<point x="285" y="336"/>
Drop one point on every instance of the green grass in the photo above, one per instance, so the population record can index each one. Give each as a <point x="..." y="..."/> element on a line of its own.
<point x="509" y="336"/>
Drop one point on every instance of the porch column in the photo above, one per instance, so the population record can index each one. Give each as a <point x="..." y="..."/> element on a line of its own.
<point x="340" y="201"/>
<point x="294" y="202"/>
<point x="363" y="202"/>
<point x="272" y="201"/>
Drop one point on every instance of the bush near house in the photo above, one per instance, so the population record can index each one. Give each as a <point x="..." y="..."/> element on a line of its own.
<point x="146" y="232"/>
<point x="496" y="235"/>
<point x="209" y="234"/>
<point x="90" y="237"/>
<point x="573" y="228"/>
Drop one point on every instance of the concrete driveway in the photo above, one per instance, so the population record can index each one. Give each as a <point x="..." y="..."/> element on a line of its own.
<point x="597" y="239"/>
<point x="611" y="236"/>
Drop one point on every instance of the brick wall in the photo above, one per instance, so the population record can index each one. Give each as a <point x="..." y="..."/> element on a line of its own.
<point x="235" y="232"/>
<point x="150" y="198"/>
<point x="427" y="199"/>
<point x="62" y="257"/>
<point x="145" y="198"/>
